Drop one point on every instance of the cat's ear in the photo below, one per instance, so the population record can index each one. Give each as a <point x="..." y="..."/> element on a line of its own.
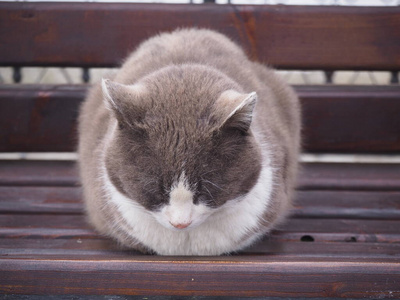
<point x="124" y="100"/>
<point x="234" y="110"/>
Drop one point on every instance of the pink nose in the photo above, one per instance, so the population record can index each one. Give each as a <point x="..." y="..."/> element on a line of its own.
<point x="180" y="226"/>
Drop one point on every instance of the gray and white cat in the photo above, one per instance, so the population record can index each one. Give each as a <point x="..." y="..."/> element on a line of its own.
<point x="190" y="148"/>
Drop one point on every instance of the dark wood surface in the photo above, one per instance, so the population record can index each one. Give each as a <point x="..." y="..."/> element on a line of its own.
<point x="352" y="204"/>
<point x="290" y="37"/>
<point x="313" y="176"/>
<point x="39" y="118"/>
<point x="358" y="119"/>
<point x="342" y="240"/>
<point x="343" y="236"/>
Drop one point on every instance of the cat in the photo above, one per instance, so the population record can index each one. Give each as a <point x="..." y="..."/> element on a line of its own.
<point x="189" y="148"/>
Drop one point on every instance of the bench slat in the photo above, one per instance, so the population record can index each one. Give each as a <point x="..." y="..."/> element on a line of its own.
<point x="347" y="204"/>
<point x="43" y="118"/>
<point x="314" y="176"/>
<point x="39" y="118"/>
<point x="45" y="234"/>
<point x="38" y="173"/>
<point x="229" y="276"/>
<point x="17" y="248"/>
<point x="330" y="230"/>
<point x="292" y="225"/>
<point x="308" y="204"/>
<point x="46" y="251"/>
<point x="349" y="176"/>
<point x="290" y="37"/>
<point x="343" y="239"/>
<point x="38" y="200"/>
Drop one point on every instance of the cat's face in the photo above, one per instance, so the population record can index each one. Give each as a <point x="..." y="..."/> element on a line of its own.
<point x="182" y="145"/>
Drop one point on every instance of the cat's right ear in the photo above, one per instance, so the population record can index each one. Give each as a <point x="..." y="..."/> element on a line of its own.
<point x="234" y="110"/>
<point x="123" y="101"/>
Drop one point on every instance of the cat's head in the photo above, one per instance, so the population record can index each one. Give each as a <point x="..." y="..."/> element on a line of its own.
<point x="182" y="145"/>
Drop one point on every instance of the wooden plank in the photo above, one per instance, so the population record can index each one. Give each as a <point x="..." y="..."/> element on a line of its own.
<point x="61" y="34"/>
<point x="350" y="118"/>
<point x="331" y="237"/>
<point x="307" y="204"/>
<point x="76" y="248"/>
<point x="44" y="233"/>
<point x="103" y="246"/>
<point x="306" y="226"/>
<point x="38" y="173"/>
<point x="350" y="235"/>
<point x="347" y="176"/>
<point x="43" y="118"/>
<point x="39" y="118"/>
<point x="43" y="221"/>
<point x="38" y="200"/>
<point x="333" y="230"/>
<point x="339" y="226"/>
<point x="228" y="276"/>
<point x="347" y="204"/>
<point x="314" y="176"/>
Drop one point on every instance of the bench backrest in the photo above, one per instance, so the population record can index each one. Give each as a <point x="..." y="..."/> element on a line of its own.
<point x="363" y="119"/>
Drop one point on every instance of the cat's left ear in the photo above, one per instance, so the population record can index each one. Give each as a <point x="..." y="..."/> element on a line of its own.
<point x="125" y="101"/>
<point x="234" y="110"/>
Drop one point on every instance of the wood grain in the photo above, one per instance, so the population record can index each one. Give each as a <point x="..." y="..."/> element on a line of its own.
<point x="39" y="118"/>
<point x="38" y="173"/>
<point x="307" y="203"/>
<point x="77" y="248"/>
<point x="356" y="119"/>
<point x="289" y="37"/>
<point x="318" y="252"/>
<point x="347" y="204"/>
<point x="343" y="237"/>
<point x="203" y="276"/>
<point x="38" y="200"/>
<point x="46" y="226"/>
<point x="349" y="176"/>
<point x="43" y="118"/>
<point x="314" y="176"/>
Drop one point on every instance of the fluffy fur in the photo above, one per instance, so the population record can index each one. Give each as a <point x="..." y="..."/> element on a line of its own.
<point x="190" y="148"/>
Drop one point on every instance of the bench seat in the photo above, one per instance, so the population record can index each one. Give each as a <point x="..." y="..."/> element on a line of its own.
<point x="346" y="225"/>
<point x="343" y="237"/>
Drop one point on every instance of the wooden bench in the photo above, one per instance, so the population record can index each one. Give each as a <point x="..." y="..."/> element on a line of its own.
<point x="343" y="238"/>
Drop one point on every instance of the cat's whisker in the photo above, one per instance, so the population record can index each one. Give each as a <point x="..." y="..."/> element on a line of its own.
<point x="208" y="172"/>
<point x="215" y="185"/>
<point x="208" y="191"/>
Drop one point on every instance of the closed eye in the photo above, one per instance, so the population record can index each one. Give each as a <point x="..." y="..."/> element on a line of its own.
<point x="206" y="199"/>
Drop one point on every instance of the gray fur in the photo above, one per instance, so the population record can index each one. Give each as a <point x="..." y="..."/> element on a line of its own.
<point x="173" y="116"/>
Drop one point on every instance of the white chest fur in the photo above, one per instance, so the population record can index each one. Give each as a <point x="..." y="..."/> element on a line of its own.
<point x="226" y="230"/>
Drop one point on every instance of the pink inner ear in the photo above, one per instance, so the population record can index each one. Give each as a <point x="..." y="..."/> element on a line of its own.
<point x="234" y="109"/>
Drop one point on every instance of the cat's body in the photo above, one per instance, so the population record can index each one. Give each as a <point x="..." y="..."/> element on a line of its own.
<point x="179" y="157"/>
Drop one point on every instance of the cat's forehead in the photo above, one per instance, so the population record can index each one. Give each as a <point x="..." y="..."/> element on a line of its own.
<point x="180" y="111"/>
<point x="187" y="81"/>
<point x="181" y="96"/>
